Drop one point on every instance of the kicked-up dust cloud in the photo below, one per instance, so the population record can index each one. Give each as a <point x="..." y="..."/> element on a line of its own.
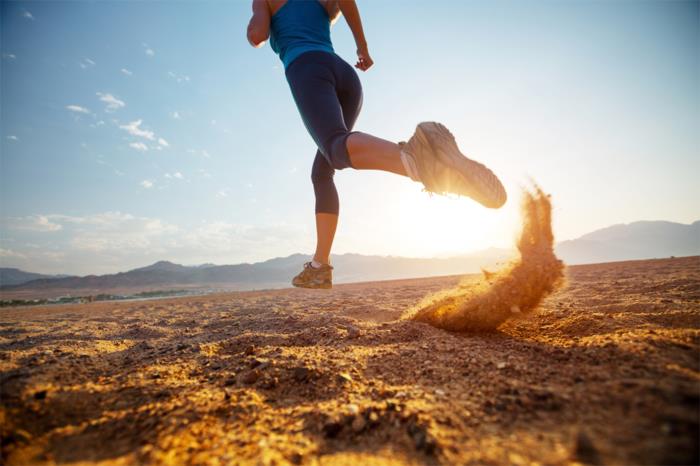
<point x="515" y="290"/>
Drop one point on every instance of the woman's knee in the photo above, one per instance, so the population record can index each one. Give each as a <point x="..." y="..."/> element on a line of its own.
<point x="321" y="172"/>
<point x="335" y="151"/>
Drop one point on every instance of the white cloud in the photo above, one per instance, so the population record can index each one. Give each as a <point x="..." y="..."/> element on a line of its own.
<point x="134" y="128"/>
<point x="175" y="115"/>
<point x="127" y="72"/>
<point x="178" y="175"/>
<point x="222" y="193"/>
<point x="77" y="109"/>
<point x="40" y="223"/>
<point x="203" y="173"/>
<point x="148" y="51"/>
<point x="86" y="63"/>
<point x="27" y="14"/>
<point x="9" y="56"/>
<point x="112" y="102"/>
<point x="139" y="146"/>
<point x="163" y="142"/>
<point x="12" y="137"/>
<point x="10" y="253"/>
<point x="108" y="242"/>
<point x="179" y="77"/>
<point x="115" y="231"/>
<point x="202" y="153"/>
<point x="148" y="184"/>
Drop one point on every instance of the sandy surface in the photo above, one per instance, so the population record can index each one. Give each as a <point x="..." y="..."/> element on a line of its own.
<point x="606" y="371"/>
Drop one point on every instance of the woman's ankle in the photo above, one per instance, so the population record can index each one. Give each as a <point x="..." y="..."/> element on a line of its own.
<point x="317" y="262"/>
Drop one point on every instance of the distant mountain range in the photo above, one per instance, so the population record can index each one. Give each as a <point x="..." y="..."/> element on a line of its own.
<point x="639" y="240"/>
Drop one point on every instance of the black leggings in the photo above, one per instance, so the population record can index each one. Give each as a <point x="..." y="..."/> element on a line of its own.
<point x="328" y="94"/>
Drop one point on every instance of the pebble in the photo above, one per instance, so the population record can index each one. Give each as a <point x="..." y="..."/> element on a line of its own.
<point x="501" y="365"/>
<point x="344" y="377"/>
<point x="353" y="332"/>
<point x="332" y="428"/>
<point x="358" y="423"/>
<point x="250" y="377"/>
<point x="585" y="451"/>
<point x="353" y="408"/>
<point x="301" y="374"/>
<point x="439" y="392"/>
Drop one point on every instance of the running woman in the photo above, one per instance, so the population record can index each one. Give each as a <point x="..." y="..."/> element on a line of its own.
<point x="328" y="94"/>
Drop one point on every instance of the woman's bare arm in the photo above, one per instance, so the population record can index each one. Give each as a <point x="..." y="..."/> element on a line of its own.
<point x="352" y="16"/>
<point x="259" y="26"/>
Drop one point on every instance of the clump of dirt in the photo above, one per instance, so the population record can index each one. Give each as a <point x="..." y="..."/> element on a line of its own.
<point x="518" y="289"/>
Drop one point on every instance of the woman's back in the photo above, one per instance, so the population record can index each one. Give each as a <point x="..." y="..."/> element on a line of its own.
<point x="300" y="26"/>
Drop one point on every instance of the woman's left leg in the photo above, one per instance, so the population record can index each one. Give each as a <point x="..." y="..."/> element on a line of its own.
<point x="327" y="207"/>
<point x="327" y="204"/>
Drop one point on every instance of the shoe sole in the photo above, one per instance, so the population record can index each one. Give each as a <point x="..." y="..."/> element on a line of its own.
<point x="314" y="286"/>
<point x="485" y="186"/>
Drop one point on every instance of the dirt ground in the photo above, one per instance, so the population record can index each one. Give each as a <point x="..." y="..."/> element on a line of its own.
<point x="607" y="371"/>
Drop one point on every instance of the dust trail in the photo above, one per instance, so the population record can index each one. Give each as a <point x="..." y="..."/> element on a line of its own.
<point x="515" y="290"/>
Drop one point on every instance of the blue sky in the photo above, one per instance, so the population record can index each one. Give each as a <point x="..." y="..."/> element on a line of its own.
<point x="139" y="131"/>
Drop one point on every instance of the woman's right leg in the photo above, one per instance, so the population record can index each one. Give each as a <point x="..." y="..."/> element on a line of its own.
<point x="368" y="152"/>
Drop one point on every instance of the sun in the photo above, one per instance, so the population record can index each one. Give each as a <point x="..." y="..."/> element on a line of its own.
<point x="442" y="226"/>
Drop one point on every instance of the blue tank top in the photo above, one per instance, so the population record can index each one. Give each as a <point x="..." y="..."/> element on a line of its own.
<point x="300" y="26"/>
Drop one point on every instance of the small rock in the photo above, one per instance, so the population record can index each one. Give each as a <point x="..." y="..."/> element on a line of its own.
<point x="259" y="362"/>
<point x="250" y="377"/>
<point x="439" y="392"/>
<point x="353" y="332"/>
<point x="400" y="394"/>
<point x="358" y="424"/>
<point x="353" y="408"/>
<point x="344" y="377"/>
<point x="301" y="374"/>
<point x="19" y="435"/>
<point x="269" y="383"/>
<point x="230" y="381"/>
<point x="332" y="428"/>
<point x="501" y="365"/>
<point x="182" y="346"/>
<point x="585" y="451"/>
<point x="40" y="395"/>
<point x="515" y="309"/>
<point x="296" y="458"/>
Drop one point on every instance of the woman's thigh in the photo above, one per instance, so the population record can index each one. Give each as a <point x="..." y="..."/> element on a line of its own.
<point x="314" y="92"/>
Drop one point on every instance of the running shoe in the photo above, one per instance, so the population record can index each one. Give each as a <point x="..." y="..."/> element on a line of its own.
<point x="312" y="277"/>
<point x="442" y="168"/>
